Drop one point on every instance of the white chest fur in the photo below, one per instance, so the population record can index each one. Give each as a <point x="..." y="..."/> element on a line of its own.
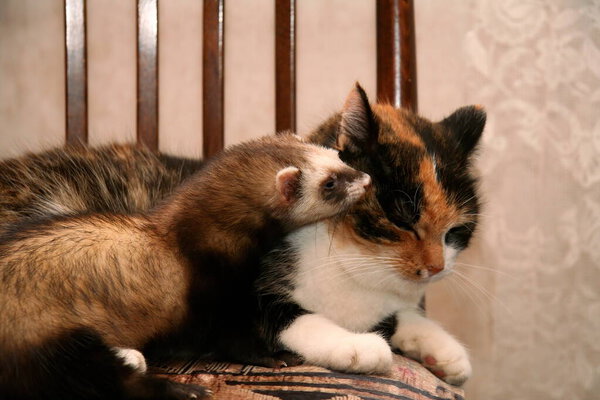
<point x="351" y="287"/>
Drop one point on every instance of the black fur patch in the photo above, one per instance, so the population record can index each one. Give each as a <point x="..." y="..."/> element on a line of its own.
<point x="386" y="327"/>
<point x="78" y="365"/>
<point x="277" y="310"/>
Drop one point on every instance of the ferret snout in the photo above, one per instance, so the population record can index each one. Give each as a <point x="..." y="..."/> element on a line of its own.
<point x="358" y="186"/>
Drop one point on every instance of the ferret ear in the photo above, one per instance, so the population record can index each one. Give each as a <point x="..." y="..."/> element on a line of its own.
<point x="466" y="126"/>
<point x="287" y="183"/>
<point x="358" y="127"/>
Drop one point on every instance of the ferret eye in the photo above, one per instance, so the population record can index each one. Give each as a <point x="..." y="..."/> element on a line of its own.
<point x="330" y="184"/>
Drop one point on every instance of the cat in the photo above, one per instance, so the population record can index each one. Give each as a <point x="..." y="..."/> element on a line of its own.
<point x="73" y="287"/>
<point x="340" y="292"/>
<point x="399" y="148"/>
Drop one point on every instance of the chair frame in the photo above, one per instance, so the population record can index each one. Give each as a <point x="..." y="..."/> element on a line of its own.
<point x="396" y="67"/>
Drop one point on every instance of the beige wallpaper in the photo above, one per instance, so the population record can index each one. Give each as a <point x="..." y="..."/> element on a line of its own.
<point x="525" y="299"/>
<point x="32" y="101"/>
<point x="180" y="77"/>
<point x="111" y="70"/>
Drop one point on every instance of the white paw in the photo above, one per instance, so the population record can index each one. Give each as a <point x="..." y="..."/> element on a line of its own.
<point x="322" y="342"/>
<point x="133" y="358"/>
<point x="437" y="350"/>
<point x="362" y="353"/>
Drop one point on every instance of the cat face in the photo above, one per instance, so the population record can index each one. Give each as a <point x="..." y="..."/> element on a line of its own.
<point x="424" y="206"/>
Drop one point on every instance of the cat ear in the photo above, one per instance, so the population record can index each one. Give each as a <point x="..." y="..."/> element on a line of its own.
<point x="287" y="183"/>
<point x="466" y="126"/>
<point x="358" y="128"/>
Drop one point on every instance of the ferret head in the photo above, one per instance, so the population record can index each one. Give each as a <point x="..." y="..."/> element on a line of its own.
<point x="319" y="186"/>
<point x="278" y="177"/>
<point x="257" y="191"/>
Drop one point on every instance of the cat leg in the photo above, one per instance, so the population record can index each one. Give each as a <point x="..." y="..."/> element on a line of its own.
<point x="424" y="340"/>
<point x="321" y="342"/>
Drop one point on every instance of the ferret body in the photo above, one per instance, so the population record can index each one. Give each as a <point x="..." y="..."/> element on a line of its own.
<point x="75" y="289"/>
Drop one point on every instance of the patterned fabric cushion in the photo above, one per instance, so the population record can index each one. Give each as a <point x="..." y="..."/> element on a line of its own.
<point x="408" y="380"/>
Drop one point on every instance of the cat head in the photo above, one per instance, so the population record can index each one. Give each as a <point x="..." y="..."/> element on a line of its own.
<point x="424" y="206"/>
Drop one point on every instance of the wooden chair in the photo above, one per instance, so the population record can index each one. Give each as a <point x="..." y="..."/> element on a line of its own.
<point x="396" y="67"/>
<point x="396" y="84"/>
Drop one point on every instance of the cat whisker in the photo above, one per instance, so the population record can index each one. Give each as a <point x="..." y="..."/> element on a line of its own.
<point x="350" y="267"/>
<point x="476" y="215"/>
<point x="361" y="255"/>
<point x="355" y="269"/>
<point x="491" y="297"/>
<point x="483" y="268"/>
<point x="416" y="207"/>
<point x="467" y="200"/>
<point x="449" y="284"/>
<point x="460" y="284"/>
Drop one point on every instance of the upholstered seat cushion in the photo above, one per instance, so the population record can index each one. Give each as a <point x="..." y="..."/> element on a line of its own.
<point x="408" y="380"/>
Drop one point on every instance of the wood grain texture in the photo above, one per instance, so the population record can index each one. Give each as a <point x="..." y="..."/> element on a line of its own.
<point x="285" y="65"/>
<point x="213" y="55"/>
<point x="396" y="53"/>
<point x="76" y="73"/>
<point x="147" y="73"/>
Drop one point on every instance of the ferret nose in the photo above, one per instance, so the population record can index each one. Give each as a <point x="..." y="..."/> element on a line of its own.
<point x="366" y="181"/>
<point x="434" y="269"/>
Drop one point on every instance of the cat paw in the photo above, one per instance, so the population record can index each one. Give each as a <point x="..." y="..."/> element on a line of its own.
<point x="132" y="358"/>
<point x="438" y="351"/>
<point x="362" y="353"/>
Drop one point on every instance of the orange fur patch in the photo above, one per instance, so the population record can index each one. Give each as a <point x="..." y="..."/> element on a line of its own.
<point x="390" y="115"/>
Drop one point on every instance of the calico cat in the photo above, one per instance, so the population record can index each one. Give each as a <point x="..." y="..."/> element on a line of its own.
<point x="72" y="288"/>
<point x="338" y="291"/>
<point x="120" y="178"/>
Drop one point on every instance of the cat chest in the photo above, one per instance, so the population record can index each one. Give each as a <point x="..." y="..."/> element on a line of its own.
<point x="342" y="301"/>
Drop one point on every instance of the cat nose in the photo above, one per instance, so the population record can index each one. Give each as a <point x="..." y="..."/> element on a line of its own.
<point x="434" y="269"/>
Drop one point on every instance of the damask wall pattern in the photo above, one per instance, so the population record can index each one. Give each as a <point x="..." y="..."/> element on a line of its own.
<point x="535" y="66"/>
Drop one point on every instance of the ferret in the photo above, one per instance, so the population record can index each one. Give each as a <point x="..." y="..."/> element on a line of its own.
<point x="78" y="293"/>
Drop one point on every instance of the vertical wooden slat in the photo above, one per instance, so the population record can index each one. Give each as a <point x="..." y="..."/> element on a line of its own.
<point x="147" y="73"/>
<point x="396" y="56"/>
<point x="213" y="77"/>
<point x="76" y="72"/>
<point x="285" y="65"/>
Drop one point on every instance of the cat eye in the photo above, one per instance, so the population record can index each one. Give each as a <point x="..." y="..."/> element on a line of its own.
<point x="458" y="235"/>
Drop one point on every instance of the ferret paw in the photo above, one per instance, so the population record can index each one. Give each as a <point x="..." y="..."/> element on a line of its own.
<point x="132" y="358"/>
<point x="362" y="353"/>
<point x="438" y="351"/>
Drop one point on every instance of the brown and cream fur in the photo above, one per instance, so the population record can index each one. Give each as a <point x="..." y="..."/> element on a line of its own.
<point x="93" y="271"/>
<point x="127" y="281"/>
